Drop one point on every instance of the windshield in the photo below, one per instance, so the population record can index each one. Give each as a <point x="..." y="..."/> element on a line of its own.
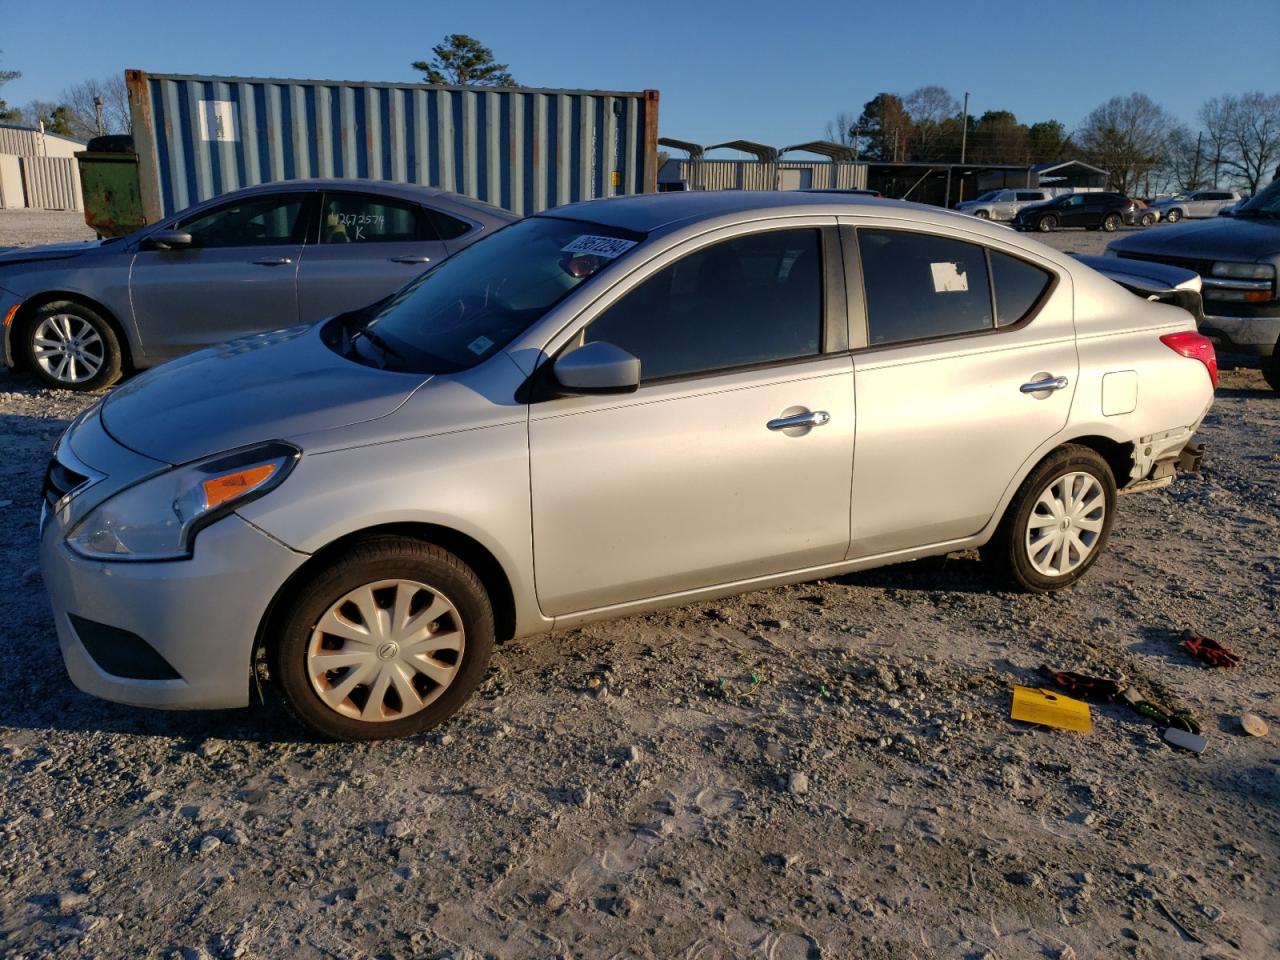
<point x="1265" y="204"/>
<point x="989" y="195"/>
<point x="475" y="303"/>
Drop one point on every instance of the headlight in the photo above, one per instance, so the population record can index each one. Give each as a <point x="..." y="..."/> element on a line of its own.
<point x="158" y="518"/>
<point x="1245" y="271"/>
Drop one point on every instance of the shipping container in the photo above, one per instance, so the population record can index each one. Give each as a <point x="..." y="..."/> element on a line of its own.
<point x="518" y="148"/>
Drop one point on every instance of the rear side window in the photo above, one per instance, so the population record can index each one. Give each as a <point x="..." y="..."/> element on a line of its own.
<point x="1018" y="285"/>
<point x="354" y="218"/>
<point x="921" y="286"/>
<point x="447" y="227"/>
<point x="753" y="299"/>
<point x="1030" y="196"/>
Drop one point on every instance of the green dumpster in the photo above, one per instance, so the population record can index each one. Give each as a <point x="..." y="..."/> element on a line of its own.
<point x="112" y="198"/>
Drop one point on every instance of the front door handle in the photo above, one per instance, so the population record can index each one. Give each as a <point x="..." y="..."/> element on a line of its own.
<point x="1048" y="383"/>
<point x="410" y="259"/>
<point x="816" y="418"/>
<point x="272" y="261"/>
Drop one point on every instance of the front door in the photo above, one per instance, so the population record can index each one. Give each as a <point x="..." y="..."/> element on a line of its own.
<point x="697" y="478"/>
<point x="1073" y="210"/>
<point x="369" y="247"/>
<point x="945" y="421"/>
<point x="239" y="275"/>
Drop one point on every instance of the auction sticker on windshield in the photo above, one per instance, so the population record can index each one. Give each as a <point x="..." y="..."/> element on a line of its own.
<point x="610" y="247"/>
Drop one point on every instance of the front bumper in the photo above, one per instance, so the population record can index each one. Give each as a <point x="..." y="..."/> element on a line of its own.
<point x="1255" y="336"/>
<point x="200" y="616"/>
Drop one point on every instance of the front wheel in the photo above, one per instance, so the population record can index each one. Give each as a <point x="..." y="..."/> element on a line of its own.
<point x="1047" y="224"/>
<point x="1148" y="219"/>
<point x="389" y="641"/>
<point x="982" y="214"/>
<point x="1111" y="222"/>
<point x="1058" y="522"/>
<point x="72" y="347"/>
<point x="1174" y="215"/>
<point x="1271" y="368"/>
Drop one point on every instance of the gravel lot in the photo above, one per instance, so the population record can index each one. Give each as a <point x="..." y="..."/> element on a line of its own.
<point x="627" y="790"/>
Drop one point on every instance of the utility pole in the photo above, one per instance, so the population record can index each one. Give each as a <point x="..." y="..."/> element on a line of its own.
<point x="964" y="142"/>
<point x="1195" y="171"/>
<point x="98" y="103"/>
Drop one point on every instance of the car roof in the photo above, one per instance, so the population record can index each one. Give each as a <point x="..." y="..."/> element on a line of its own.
<point x="645" y="213"/>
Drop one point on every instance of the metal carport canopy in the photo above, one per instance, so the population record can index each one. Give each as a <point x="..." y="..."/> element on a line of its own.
<point x="823" y="148"/>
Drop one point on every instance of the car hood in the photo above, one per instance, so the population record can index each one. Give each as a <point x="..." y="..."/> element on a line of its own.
<point x="1227" y="238"/>
<point x="48" y="251"/>
<point x="271" y="386"/>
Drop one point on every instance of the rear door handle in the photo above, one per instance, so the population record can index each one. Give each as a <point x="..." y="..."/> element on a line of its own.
<point x="816" y="418"/>
<point x="272" y="261"/>
<point x="410" y="259"/>
<point x="1039" y="386"/>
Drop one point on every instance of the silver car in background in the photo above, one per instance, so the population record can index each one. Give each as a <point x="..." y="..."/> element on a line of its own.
<point x="1003" y="204"/>
<point x="79" y="315"/>
<point x="1193" y="205"/>
<point x="600" y="410"/>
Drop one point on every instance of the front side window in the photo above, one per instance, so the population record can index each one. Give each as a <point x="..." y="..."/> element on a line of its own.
<point x="477" y="301"/>
<point x="753" y="299"/>
<point x="920" y="286"/>
<point x="252" y="222"/>
<point x="353" y="218"/>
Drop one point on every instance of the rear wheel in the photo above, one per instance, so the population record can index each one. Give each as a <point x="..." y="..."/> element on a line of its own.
<point x="72" y="347"/>
<point x="389" y="641"/>
<point x="1047" y="224"/>
<point x="1111" y="222"/>
<point x="1174" y="215"/>
<point x="1148" y="219"/>
<point x="1058" y="522"/>
<point x="982" y="214"/>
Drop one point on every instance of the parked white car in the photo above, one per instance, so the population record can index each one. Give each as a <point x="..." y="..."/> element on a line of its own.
<point x="600" y="410"/>
<point x="1003" y="204"/>
<point x="1193" y="204"/>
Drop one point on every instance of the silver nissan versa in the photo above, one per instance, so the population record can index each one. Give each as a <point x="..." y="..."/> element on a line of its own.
<point x="599" y="410"/>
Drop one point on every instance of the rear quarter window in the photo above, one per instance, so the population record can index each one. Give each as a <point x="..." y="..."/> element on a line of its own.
<point x="1018" y="287"/>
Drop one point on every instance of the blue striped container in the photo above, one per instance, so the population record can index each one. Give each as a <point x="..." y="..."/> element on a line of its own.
<point x="521" y="149"/>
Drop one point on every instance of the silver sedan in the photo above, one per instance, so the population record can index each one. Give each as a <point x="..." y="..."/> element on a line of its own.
<point x="600" y="410"/>
<point x="79" y="315"/>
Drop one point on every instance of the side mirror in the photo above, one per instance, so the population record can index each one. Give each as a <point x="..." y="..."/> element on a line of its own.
<point x="169" y="240"/>
<point x="596" y="368"/>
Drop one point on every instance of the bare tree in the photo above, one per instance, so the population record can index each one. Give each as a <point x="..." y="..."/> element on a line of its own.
<point x="840" y="130"/>
<point x="80" y="97"/>
<point x="1245" y="134"/>
<point x="931" y="109"/>
<point x="1128" y="136"/>
<point x="1188" y="164"/>
<point x="9" y="114"/>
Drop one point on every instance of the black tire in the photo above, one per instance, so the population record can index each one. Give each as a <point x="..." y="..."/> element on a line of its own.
<point x="1271" y="368"/>
<point x="982" y="215"/>
<point x="72" y="316"/>
<point x="1173" y="216"/>
<point x="373" y="561"/>
<point x="1047" y="224"/>
<point x="1111" y="222"/>
<point x="1148" y="219"/>
<point x="1008" y="550"/>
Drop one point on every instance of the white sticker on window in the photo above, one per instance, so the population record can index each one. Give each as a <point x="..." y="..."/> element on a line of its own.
<point x="949" y="278"/>
<point x="479" y="345"/>
<point x="219" y="120"/>
<point x="610" y="247"/>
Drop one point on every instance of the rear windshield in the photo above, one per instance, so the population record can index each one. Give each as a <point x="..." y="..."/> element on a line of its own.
<point x="475" y="303"/>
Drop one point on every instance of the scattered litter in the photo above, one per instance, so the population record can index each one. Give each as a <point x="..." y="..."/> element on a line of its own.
<point x="1178" y="719"/>
<point x="1210" y="651"/>
<point x="1097" y="689"/>
<point x="725" y="689"/>
<point x="1187" y="741"/>
<point x="1051" y="709"/>
<point x="1254" y="725"/>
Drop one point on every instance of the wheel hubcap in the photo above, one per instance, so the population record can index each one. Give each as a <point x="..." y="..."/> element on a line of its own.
<point x="1065" y="524"/>
<point x="67" y="348"/>
<point x="386" y="650"/>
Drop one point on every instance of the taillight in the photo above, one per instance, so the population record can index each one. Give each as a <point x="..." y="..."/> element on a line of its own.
<point x="1194" y="346"/>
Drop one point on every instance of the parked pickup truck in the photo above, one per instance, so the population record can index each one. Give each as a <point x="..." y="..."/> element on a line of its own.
<point x="1237" y="258"/>
<point x="1002" y="204"/>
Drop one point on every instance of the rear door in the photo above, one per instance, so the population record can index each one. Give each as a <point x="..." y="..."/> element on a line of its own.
<point x="368" y="246"/>
<point x="692" y="481"/>
<point x="945" y="419"/>
<point x="239" y="276"/>
<point x="1072" y="211"/>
